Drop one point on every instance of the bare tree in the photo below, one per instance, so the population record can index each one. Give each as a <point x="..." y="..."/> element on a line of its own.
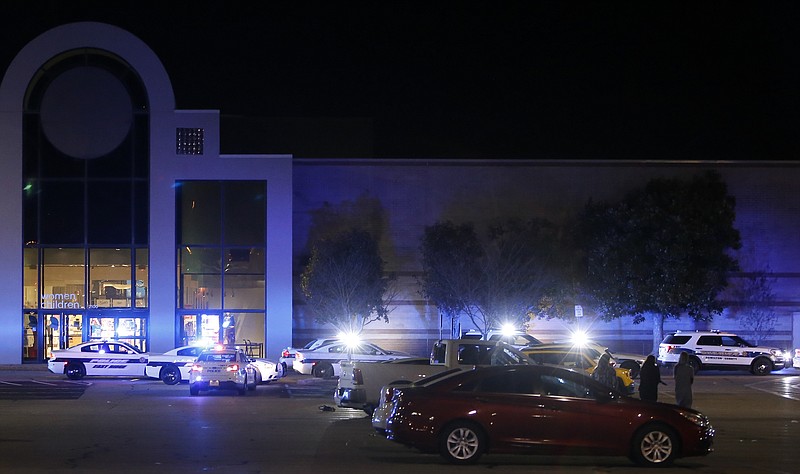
<point x="344" y="282"/>
<point x="500" y="279"/>
<point x="753" y="303"/>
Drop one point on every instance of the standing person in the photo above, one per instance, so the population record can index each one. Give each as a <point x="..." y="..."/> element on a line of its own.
<point x="684" y="378"/>
<point x="649" y="378"/>
<point x="605" y="373"/>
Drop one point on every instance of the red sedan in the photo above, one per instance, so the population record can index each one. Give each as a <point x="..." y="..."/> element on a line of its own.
<point x="541" y="410"/>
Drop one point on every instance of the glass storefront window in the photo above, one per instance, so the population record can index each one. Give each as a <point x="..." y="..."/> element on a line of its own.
<point x="245" y="212"/>
<point x="110" y="278"/>
<point x="101" y="328"/>
<point x="221" y="261"/>
<point x="30" y="336"/>
<point x="246" y="330"/>
<point x="63" y="279"/>
<point x="201" y="260"/>
<point x="142" y="277"/>
<point x="244" y="291"/>
<point x="189" y="329"/>
<point x="30" y="278"/>
<point x="202" y="291"/>
<point x="200" y="213"/>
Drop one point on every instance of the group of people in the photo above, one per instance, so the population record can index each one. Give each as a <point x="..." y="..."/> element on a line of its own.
<point x="650" y="378"/>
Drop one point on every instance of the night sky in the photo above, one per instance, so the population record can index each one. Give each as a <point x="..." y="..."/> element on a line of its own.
<point x="494" y="79"/>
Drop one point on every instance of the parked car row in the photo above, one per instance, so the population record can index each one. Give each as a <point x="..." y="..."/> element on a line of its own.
<point x="203" y="367"/>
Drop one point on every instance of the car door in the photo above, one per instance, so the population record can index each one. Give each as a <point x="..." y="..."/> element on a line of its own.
<point x="510" y="408"/>
<point x="578" y="417"/>
<point x="710" y="350"/>
<point x="734" y="351"/>
<point x="125" y="360"/>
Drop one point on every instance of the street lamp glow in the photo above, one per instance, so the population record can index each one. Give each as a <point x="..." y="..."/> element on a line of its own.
<point x="579" y="338"/>
<point x="508" y="330"/>
<point x="350" y="339"/>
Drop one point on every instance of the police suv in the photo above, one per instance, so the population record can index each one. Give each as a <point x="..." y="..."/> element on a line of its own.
<point x="717" y="350"/>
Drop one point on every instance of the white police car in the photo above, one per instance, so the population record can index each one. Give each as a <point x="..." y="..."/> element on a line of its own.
<point x="717" y="350"/>
<point x="222" y="368"/>
<point x="173" y="366"/>
<point x="98" y="358"/>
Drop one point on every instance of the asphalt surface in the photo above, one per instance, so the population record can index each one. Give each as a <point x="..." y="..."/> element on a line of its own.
<point x="141" y="425"/>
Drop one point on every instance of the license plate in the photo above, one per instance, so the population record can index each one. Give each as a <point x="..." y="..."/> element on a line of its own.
<point x="213" y="383"/>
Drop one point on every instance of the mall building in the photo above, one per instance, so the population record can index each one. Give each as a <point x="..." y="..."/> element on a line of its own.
<point x="130" y="223"/>
<point x="124" y="220"/>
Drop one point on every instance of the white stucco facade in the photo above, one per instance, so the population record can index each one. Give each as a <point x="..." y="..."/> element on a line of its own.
<point x="166" y="168"/>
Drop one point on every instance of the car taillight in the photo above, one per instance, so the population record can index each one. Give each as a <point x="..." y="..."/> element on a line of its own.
<point x="285" y="353"/>
<point x="358" y="379"/>
<point x="387" y="394"/>
<point x="232" y="368"/>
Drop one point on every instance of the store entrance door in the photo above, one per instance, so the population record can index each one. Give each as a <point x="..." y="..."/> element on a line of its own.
<point x="207" y="328"/>
<point x="60" y="330"/>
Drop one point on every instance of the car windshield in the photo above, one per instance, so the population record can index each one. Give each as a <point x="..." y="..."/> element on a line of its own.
<point x="217" y="357"/>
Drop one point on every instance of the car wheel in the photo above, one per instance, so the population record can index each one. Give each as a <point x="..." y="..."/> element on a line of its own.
<point x="323" y="370"/>
<point x="462" y="443"/>
<point x="171" y="374"/>
<point x="695" y="363"/>
<point x="193" y="389"/>
<point x="280" y="370"/>
<point x="633" y="366"/>
<point x="256" y="380"/>
<point x="761" y="366"/>
<point x="654" y="445"/>
<point x="243" y="389"/>
<point x="75" y="371"/>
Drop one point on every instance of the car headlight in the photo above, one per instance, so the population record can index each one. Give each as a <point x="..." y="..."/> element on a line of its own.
<point x="776" y="352"/>
<point x="695" y="418"/>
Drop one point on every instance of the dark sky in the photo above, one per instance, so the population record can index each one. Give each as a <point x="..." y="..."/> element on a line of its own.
<point x="494" y="79"/>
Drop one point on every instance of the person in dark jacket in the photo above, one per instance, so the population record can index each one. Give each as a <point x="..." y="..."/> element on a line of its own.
<point x="605" y="373"/>
<point x="684" y="378"/>
<point x="649" y="379"/>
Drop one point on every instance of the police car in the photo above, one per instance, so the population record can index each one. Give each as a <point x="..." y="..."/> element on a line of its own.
<point x="98" y="358"/>
<point x="719" y="350"/>
<point x="173" y="366"/>
<point x="222" y="368"/>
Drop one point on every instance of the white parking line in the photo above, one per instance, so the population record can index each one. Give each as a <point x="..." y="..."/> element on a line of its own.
<point x="786" y="387"/>
<point x="10" y="383"/>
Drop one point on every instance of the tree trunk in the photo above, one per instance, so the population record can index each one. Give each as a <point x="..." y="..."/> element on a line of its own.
<point x="658" y="331"/>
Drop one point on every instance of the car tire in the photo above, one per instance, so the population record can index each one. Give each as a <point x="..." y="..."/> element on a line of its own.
<point x="761" y="366"/>
<point x="633" y="366"/>
<point x="323" y="370"/>
<point x="193" y="390"/>
<point x="280" y="370"/>
<point x="75" y="371"/>
<point x="654" y="445"/>
<point x="256" y="380"/>
<point x="243" y="389"/>
<point x="171" y="374"/>
<point x="462" y="443"/>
